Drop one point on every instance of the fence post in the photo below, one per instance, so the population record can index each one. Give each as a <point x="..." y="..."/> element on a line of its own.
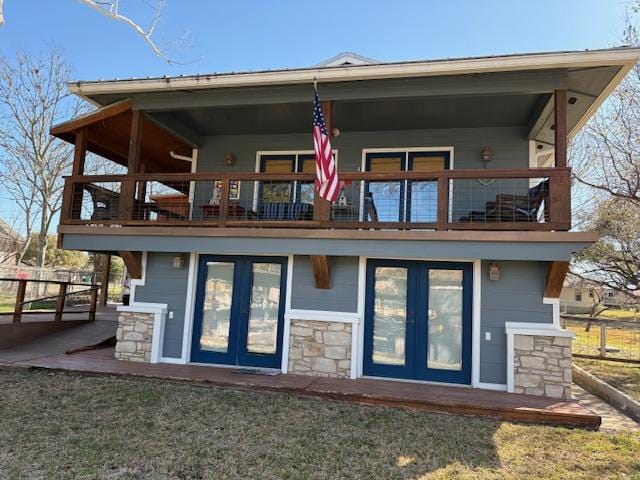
<point x="94" y="303"/>
<point x="603" y="340"/>
<point x="62" y="296"/>
<point x="17" y="311"/>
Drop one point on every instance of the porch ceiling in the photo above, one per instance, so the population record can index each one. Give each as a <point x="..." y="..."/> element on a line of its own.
<point x="366" y="115"/>
<point x="109" y="130"/>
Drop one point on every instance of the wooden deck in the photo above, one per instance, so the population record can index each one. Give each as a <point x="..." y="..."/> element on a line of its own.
<point x="433" y="398"/>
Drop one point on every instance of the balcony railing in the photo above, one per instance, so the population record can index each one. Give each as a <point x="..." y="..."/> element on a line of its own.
<point x="525" y="199"/>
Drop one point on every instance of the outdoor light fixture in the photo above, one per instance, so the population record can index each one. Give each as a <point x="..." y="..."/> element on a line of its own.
<point x="178" y="262"/>
<point x="494" y="272"/>
<point x="335" y="132"/>
<point x="230" y="159"/>
<point x="572" y="100"/>
<point x="487" y="154"/>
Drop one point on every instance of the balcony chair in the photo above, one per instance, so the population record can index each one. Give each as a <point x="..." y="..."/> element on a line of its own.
<point x="105" y="202"/>
<point x="286" y="211"/>
<point x="512" y="208"/>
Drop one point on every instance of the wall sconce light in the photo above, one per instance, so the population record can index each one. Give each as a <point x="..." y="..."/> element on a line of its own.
<point x="487" y="154"/>
<point x="178" y="262"/>
<point x="494" y="272"/>
<point x="335" y="132"/>
<point x="230" y="159"/>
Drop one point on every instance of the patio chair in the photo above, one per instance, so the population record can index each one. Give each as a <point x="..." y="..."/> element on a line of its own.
<point x="512" y="208"/>
<point x="285" y="211"/>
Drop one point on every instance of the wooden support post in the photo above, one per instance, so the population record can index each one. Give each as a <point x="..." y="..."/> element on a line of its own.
<point x="60" y="301"/>
<point x="443" y="203"/>
<point x="560" y="125"/>
<point x="133" y="262"/>
<point x="72" y="193"/>
<point x="128" y="187"/>
<point x="104" y="284"/>
<point x="555" y="279"/>
<point x="603" y="340"/>
<point x="94" y="303"/>
<point x="17" y="311"/>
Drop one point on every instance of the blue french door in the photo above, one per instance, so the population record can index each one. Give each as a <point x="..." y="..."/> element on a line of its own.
<point x="239" y="311"/>
<point x="418" y="320"/>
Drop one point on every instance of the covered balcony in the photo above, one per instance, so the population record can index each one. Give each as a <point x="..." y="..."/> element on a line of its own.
<point x="175" y="174"/>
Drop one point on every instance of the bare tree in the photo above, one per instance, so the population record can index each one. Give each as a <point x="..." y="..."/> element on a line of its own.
<point x="605" y="159"/>
<point x="33" y="97"/>
<point x="113" y="10"/>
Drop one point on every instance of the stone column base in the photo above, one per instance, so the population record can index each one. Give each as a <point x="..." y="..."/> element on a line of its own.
<point x="134" y="336"/>
<point x="320" y="348"/>
<point x="542" y="365"/>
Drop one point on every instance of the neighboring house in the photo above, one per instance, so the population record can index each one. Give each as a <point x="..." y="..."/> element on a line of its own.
<point x="443" y="260"/>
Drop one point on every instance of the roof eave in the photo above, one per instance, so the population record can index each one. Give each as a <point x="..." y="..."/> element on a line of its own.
<point x="626" y="57"/>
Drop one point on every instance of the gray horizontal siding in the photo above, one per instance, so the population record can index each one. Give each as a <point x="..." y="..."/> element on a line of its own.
<point x="516" y="297"/>
<point x="341" y="297"/>
<point x="164" y="284"/>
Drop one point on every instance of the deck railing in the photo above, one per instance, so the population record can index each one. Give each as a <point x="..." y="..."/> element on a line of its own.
<point x="520" y="199"/>
<point x="69" y="298"/>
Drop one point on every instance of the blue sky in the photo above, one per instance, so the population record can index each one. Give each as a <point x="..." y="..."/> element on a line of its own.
<point x="253" y="34"/>
<point x="238" y="35"/>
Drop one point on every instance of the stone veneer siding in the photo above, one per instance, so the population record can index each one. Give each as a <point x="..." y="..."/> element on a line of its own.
<point x="320" y="349"/>
<point x="134" y="336"/>
<point x="542" y="365"/>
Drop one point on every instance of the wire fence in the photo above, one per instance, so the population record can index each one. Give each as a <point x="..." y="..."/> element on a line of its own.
<point x="602" y="338"/>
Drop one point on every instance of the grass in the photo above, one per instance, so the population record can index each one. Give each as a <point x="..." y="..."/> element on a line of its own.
<point x="58" y="426"/>
<point x="623" y="376"/>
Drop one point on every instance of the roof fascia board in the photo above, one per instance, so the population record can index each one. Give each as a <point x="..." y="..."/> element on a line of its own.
<point x="622" y="57"/>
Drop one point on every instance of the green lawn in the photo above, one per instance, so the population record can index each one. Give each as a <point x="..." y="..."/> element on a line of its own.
<point x="66" y="427"/>
<point x="623" y="376"/>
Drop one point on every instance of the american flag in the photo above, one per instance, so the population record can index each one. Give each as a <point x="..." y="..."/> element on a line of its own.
<point x="327" y="184"/>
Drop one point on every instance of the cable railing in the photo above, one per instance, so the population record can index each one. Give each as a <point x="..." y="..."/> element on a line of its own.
<point x="520" y="199"/>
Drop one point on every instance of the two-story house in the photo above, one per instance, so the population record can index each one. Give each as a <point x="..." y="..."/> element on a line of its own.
<point x="442" y="260"/>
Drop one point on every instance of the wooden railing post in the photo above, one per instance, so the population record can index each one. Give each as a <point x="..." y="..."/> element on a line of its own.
<point x="560" y="199"/>
<point x="60" y="301"/>
<point x="224" y="203"/>
<point x="17" y="311"/>
<point x="443" y="203"/>
<point x="94" y="302"/>
<point x="127" y="193"/>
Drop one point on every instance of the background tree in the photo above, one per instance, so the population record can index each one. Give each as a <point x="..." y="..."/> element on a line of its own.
<point x="56" y="257"/>
<point x="113" y="10"/>
<point x="606" y="166"/>
<point x="33" y="97"/>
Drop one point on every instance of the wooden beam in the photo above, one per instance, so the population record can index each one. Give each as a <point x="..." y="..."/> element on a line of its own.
<point x="560" y="125"/>
<point x="555" y="279"/>
<point x="80" y="152"/>
<point x="321" y="271"/>
<point x="93" y="117"/>
<point x="133" y="262"/>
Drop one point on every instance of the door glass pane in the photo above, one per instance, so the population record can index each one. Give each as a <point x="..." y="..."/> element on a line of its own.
<point x="307" y="164"/>
<point x="383" y="199"/>
<point x="263" y="308"/>
<point x="216" y="314"/>
<point x="444" y="350"/>
<point x="424" y="195"/>
<point x="277" y="191"/>
<point x="390" y="315"/>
